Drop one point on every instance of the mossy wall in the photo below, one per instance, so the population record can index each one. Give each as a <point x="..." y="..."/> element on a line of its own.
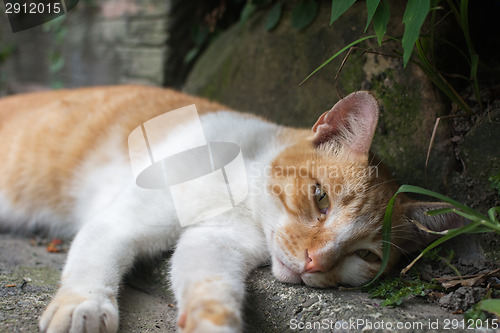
<point x="250" y="69"/>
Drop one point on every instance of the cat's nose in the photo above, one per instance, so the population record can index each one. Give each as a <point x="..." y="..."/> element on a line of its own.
<point x="313" y="263"/>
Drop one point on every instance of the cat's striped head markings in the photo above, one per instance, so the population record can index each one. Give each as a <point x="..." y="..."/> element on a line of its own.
<point x="332" y="196"/>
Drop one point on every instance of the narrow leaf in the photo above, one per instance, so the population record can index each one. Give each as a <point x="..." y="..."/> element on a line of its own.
<point x="415" y="13"/>
<point x="303" y="14"/>
<point x="387" y="225"/>
<point x="357" y="41"/>
<point x="419" y="190"/>
<point x="492" y="212"/>
<point x="491" y="305"/>
<point x="273" y="17"/>
<point x="339" y="7"/>
<point x="453" y="233"/>
<point x="191" y="55"/>
<point x="381" y="19"/>
<point x="440" y="211"/>
<point x="473" y="66"/>
<point x="247" y="11"/>
<point x="386" y="238"/>
<point x="56" y="64"/>
<point x="371" y="8"/>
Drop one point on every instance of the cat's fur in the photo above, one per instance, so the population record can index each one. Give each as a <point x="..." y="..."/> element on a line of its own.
<point x="65" y="169"/>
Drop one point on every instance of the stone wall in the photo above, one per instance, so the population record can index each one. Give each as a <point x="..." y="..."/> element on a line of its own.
<point x="106" y="42"/>
<point x="251" y="69"/>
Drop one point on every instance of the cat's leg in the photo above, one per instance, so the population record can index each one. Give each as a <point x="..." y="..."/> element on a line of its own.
<point x="102" y="252"/>
<point x="208" y="271"/>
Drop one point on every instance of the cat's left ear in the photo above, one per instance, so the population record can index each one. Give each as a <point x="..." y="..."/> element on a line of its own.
<point x="351" y="123"/>
<point x="417" y="221"/>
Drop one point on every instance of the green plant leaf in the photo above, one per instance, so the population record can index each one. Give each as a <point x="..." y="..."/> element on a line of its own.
<point x="415" y="13"/>
<point x="371" y="8"/>
<point x="199" y="35"/>
<point x="491" y="305"/>
<point x="491" y="213"/>
<point x="452" y="233"/>
<point x="419" y="190"/>
<point x="440" y="211"/>
<point x="191" y="55"/>
<point x="439" y="80"/>
<point x="56" y="64"/>
<point x="479" y="221"/>
<point x="303" y="14"/>
<point x="339" y="7"/>
<point x="357" y="41"/>
<point x="380" y="20"/>
<point x="247" y="11"/>
<point x="273" y="17"/>
<point x="473" y="66"/>
<point x="386" y="238"/>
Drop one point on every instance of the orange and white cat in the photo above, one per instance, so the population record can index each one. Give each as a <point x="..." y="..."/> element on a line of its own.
<point x="314" y="208"/>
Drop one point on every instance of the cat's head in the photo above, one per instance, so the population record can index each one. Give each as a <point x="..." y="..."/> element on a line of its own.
<point x="331" y="196"/>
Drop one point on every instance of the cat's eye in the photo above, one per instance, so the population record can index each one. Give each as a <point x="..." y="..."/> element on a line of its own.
<point x="367" y="255"/>
<point x="321" y="198"/>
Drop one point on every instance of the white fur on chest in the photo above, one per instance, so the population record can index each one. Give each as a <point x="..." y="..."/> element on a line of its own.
<point x="98" y="185"/>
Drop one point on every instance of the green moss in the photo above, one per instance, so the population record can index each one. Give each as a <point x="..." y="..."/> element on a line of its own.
<point x="402" y="136"/>
<point x="352" y="74"/>
<point x="215" y="89"/>
<point x="394" y="291"/>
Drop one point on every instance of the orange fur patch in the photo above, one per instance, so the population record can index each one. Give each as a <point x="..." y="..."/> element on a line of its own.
<point x="45" y="136"/>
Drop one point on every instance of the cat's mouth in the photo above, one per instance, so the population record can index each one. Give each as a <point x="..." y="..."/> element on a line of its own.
<point x="285" y="273"/>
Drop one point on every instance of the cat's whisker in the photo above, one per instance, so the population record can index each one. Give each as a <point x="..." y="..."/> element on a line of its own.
<point x="381" y="183"/>
<point x="402" y="250"/>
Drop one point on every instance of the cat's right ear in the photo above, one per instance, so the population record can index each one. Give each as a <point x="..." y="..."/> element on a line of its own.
<point x="351" y="123"/>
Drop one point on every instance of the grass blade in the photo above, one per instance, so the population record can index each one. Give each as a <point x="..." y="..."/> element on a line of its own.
<point x="419" y="190"/>
<point x="435" y="212"/>
<point x="453" y="233"/>
<point x="357" y="41"/>
<point x="386" y="238"/>
<point x="491" y="214"/>
<point x="480" y="224"/>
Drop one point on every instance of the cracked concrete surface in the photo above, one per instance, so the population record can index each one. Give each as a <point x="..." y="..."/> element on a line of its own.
<point x="29" y="277"/>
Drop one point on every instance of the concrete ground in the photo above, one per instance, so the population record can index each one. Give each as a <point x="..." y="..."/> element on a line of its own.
<point x="29" y="277"/>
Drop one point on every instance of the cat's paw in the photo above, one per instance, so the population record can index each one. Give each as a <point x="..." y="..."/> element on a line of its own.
<point x="209" y="316"/>
<point x="75" y="312"/>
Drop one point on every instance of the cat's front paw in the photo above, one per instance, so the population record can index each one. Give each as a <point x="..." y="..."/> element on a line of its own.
<point x="209" y="316"/>
<point x="77" y="312"/>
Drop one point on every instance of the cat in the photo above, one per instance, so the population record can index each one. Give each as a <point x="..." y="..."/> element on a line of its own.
<point x="314" y="209"/>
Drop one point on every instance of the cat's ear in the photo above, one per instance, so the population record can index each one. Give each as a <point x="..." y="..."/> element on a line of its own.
<point x="350" y="123"/>
<point x="417" y="223"/>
